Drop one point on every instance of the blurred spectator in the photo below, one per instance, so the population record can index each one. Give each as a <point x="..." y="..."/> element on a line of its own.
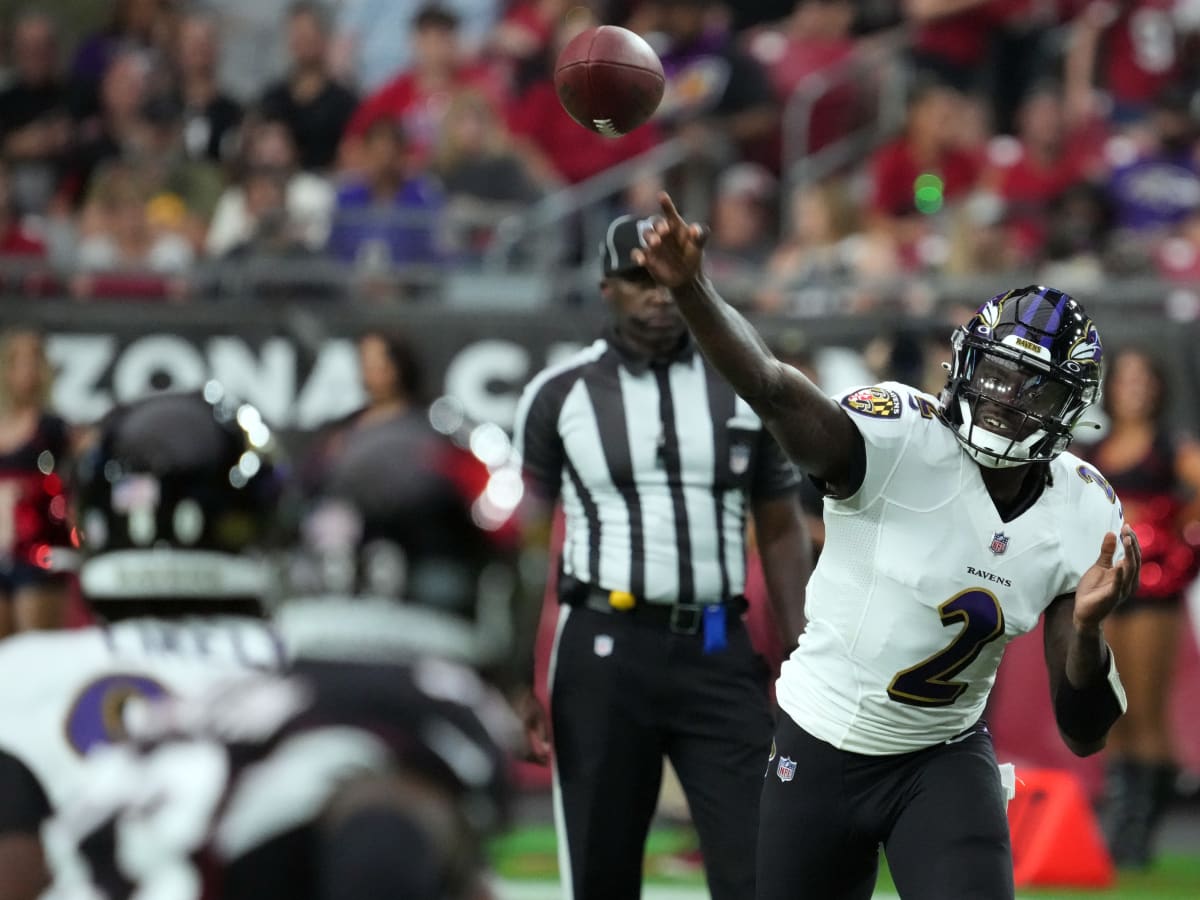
<point x="1178" y="257"/>
<point x="527" y="30"/>
<point x="553" y="139"/>
<point x="185" y="190"/>
<point x="16" y="240"/>
<point x="743" y="226"/>
<point x="980" y="240"/>
<point x="923" y="170"/>
<point x="273" y="262"/>
<point x="35" y="128"/>
<point x="34" y="453"/>
<point x="1156" y="473"/>
<point x="117" y="126"/>
<point x="313" y="105"/>
<point x="483" y="177"/>
<point x="1122" y="55"/>
<point x="391" y="379"/>
<point x="815" y="37"/>
<point x="810" y="271"/>
<point x="127" y="240"/>
<point x="265" y="192"/>
<point x="135" y="25"/>
<point x="252" y="46"/>
<point x="1155" y="181"/>
<point x="417" y="98"/>
<point x="309" y="201"/>
<point x="1045" y="157"/>
<point x="210" y="118"/>
<point x="386" y="218"/>
<point x="714" y="91"/>
<point x="373" y="42"/>
<point x="951" y="39"/>
<point x="1077" y="239"/>
<point x="990" y="47"/>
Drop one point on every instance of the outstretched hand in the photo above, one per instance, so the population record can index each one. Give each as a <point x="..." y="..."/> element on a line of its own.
<point x="1105" y="585"/>
<point x="673" y="248"/>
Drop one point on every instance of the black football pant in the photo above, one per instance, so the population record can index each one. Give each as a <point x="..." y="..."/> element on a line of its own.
<point x="939" y="813"/>
<point x="624" y="693"/>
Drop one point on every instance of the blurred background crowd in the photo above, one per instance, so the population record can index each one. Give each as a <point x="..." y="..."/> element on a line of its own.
<point x="163" y="149"/>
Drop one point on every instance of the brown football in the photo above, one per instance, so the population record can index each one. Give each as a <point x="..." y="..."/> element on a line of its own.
<point x="609" y="80"/>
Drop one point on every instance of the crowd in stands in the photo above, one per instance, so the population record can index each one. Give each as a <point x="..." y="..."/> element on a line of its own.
<point x="1053" y="137"/>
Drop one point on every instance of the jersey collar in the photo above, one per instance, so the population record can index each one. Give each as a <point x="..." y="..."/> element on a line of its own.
<point x="638" y="364"/>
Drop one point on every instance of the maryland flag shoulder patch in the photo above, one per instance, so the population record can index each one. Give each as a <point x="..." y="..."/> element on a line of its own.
<point x="876" y="402"/>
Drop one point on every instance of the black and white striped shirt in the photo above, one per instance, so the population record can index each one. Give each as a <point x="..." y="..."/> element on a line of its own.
<point x="655" y="465"/>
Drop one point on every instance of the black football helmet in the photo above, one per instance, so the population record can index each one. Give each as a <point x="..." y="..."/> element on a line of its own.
<point x="174" y="506"/>
<point x="1026" y="367"/>
<point x="407" y="548"/>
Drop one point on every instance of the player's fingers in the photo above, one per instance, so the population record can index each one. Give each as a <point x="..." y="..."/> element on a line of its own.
<point x="1133" y="546"/>
<point x="699" y="234"/>
<point x="1108" y="547"/>
<point x="668" y="207"/>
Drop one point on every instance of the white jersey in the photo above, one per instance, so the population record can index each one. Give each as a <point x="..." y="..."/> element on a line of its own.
<point x="65" y="693"/>
<point x="921" y="585"/>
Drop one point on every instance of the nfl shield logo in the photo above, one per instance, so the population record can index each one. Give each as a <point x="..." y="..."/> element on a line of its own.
<point x="786" y="770"/>
<point x="603" y="645"/>
<point x="739" y="458"/>
<point x="999" y="543"/>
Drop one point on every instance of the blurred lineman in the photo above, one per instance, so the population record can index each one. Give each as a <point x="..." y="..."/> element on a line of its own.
<point x="370" y="770"/>
<point x="657" y="462"/>
<point x="174" y="500"/>
<point x="951" y="526"/>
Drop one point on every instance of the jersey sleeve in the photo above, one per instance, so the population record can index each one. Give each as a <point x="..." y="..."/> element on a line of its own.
<point x="1099" y="511"/>
<point x="23" y="802"/>
<point x="536" y="440"/>
<point x="774" y="473"/>
<point x="884" y="415"/>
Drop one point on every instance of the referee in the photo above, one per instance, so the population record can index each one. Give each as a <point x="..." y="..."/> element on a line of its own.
<point x="656" y="462"/>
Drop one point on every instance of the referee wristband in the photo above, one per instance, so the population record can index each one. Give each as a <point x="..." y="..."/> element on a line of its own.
<point x="1086" y="714"/>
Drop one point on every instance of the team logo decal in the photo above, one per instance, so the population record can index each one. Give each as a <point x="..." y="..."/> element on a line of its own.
<point x="603" y="645"/>
<point x="999" y="543"/>
<point x="875" y="402"/>
<point x="786" y="770"/>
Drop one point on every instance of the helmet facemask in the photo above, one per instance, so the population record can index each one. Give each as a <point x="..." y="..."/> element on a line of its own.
<point x="1012" y="400"/>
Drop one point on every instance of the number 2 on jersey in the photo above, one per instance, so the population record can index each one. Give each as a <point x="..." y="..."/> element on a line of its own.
<point x="931" y="681"/>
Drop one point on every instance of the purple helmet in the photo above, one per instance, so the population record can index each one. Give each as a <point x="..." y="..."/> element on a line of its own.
<point x="1025" y="368"/>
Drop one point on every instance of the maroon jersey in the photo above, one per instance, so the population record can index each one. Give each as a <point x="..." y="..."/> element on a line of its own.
<point x="1152" y="507"/>
<point x="33" y="506"/>
<point x="1140" y="55"/>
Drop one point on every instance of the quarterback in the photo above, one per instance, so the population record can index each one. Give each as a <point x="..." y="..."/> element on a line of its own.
<point x="952" y="525"/>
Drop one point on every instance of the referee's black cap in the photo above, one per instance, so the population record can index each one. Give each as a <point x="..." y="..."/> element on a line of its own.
<point x="621" y="238"/>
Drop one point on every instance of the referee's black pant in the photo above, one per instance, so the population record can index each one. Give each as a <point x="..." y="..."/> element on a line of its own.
<point x="625" y="691"/>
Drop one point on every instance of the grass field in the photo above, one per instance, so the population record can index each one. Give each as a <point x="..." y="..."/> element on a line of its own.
<point x="527" y="864"/>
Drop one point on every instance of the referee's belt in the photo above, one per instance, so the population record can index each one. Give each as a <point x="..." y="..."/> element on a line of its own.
<point x="678" y="618"/>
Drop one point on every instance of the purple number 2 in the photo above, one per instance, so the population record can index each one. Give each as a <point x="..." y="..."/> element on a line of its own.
<point x="931" y="681"/>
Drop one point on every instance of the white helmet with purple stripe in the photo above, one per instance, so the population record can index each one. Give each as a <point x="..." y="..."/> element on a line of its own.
<point x="1026" y="367"/>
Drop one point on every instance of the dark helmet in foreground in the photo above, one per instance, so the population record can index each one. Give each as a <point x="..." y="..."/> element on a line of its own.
<point x="405" y="551"/>
<point x="1026" y="367"/>
<point x="175" y="502"/>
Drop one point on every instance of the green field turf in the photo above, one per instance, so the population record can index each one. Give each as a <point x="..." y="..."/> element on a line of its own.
<point x="527" y="864"/>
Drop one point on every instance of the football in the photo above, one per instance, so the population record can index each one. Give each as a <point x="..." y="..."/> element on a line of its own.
<point x="609" y="80"/>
